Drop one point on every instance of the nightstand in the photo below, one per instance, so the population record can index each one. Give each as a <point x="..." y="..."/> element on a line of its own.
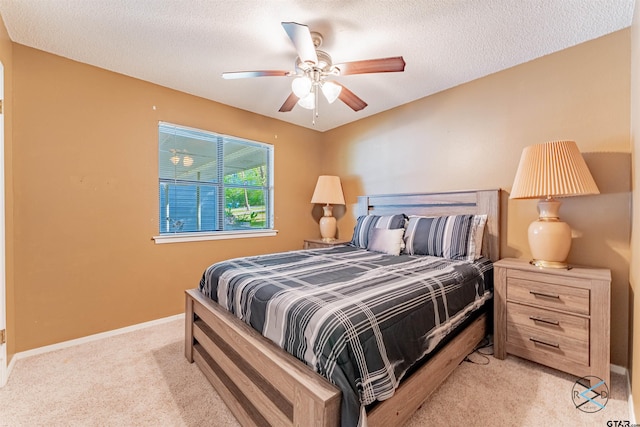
<point x="319" y="243"/>
<point x="556" y="317"/>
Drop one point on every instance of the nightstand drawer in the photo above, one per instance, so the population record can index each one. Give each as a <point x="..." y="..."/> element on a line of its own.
<point x="548" y="322"/>
<point x="538" y="346"/>
<point x="565" y="298"/>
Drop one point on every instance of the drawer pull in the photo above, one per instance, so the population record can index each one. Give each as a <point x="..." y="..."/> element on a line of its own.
<point x="550" y="344"/>
<point x="544" y="294"/>
<point x="543" y="320"/>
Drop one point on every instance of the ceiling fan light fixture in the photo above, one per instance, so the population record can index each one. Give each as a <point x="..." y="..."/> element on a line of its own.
<point x="312" y="67"/>
<point x="308" y="101"/>
<point x="331" y="91"/>
<point x="301" y="86"/>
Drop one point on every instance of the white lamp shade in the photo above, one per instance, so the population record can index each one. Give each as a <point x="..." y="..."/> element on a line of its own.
<point x="552" y="169"/>
<point x="328" y="191"/>
<point x="301" y="86"/>
<point x="331" y="91"/>
<point x="308" y="102"/>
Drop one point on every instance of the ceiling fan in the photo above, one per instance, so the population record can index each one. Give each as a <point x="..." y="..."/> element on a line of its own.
<point x="314" y="68"/>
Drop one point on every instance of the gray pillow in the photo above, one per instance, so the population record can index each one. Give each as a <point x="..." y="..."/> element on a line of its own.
<point x="453" y="237"/>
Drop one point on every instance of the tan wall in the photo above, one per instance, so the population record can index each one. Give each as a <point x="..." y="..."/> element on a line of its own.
<point x="86" y="189"/>
<point x="471" y="136"/>
<point x="6" y="56"/>
<point x="634" y="296"/>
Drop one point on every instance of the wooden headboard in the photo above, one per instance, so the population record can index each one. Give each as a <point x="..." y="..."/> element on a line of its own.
<point x="438" y="204"/>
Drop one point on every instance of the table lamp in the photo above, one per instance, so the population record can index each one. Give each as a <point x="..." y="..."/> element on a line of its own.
<point x="328" y="192"/>
<point x="546" y="171"/>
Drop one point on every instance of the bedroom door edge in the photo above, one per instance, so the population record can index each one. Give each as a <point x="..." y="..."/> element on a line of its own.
<point x="4" y="372"/>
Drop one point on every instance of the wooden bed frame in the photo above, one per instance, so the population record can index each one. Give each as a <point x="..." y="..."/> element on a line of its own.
<point x="263" y="385"/>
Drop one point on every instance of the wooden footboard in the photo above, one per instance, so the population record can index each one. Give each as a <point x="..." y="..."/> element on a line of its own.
<point x="260" y="383"/>
<point x="263" y="385"/>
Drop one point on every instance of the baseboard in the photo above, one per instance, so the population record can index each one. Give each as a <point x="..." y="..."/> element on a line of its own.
<point x="90" y="338"/>
<point x="621" y="370"/>
<point x="632" y="412"/>
<point x="8" y="371"/>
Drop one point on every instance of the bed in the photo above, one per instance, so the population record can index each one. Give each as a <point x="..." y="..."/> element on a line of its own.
<point x="264" y="385"/>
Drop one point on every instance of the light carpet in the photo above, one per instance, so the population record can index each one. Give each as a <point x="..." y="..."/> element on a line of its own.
<point x="142" y="378"/>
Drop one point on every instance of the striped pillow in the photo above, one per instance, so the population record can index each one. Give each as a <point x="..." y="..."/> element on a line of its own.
<point x="366" y="223"/>
<point x="453" y="237"/>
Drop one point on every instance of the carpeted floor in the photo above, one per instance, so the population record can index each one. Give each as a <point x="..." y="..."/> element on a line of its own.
<point x="142" y="379"/>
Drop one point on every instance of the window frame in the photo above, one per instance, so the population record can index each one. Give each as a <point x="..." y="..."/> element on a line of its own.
<point x="193" y="236"/>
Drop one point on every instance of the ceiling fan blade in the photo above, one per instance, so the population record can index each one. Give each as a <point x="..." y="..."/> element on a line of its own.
<point x="382" y="65"/>
<point x="289" y="103"/>
<point x="351" y="99"/>
<point x="301" y="38"/>
<point x="260" y="73"/>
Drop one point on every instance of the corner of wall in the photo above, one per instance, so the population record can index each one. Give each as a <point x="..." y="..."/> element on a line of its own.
<point x="6" y="56"/>
<point x="634" y="273"/>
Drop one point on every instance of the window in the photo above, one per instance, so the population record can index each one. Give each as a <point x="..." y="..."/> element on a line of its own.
<point x="212" y="183"/>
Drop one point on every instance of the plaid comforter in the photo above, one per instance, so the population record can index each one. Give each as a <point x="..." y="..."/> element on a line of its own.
<point x="359" y="318"/>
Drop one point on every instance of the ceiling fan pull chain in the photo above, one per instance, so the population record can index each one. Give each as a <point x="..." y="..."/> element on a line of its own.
<point x="315" y="112"/>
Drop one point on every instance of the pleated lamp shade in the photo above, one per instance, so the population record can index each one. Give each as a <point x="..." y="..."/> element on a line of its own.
<point x="549" y="170"/>
<point x="552" y="169"/>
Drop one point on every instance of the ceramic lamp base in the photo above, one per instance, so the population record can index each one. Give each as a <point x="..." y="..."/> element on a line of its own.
<point x="549" y="238"/>
<point x="328" y="226"/>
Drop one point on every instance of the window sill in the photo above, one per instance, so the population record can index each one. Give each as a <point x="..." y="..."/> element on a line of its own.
<point x="218" y="235"/>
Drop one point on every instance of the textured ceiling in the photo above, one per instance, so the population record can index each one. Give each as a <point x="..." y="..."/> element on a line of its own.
<point x="187" y="44"/>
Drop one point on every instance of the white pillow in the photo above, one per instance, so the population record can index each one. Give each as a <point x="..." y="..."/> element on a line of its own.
<point x="386" y="241"/>
<point x="475" y="246"/>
